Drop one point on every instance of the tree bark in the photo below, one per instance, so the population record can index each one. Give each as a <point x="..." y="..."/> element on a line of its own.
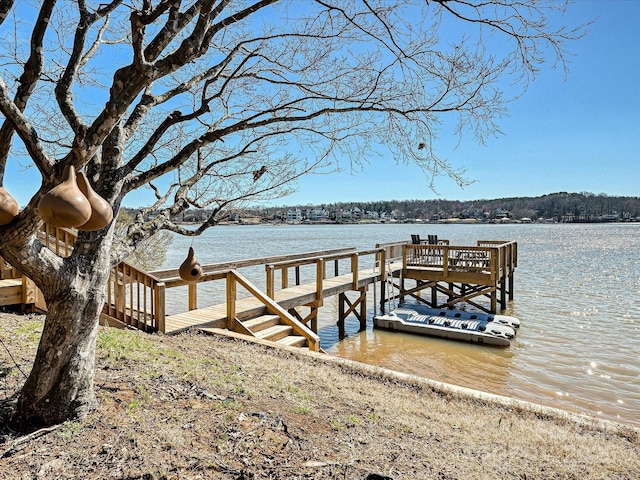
<point x="60" y="385"/>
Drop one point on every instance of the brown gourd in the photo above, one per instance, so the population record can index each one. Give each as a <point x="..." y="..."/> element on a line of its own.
<point x="65" y="205"/>
<point x="8" y="207"/>
<point x="190" y="270"/>
<point x="101" y="211"/>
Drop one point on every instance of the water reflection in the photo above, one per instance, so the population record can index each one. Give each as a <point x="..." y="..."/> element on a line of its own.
<point x="484" y="368"/>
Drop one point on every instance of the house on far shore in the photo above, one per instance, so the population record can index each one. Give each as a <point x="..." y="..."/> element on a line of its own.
<point x="316" y="215"/>
<point x="294" y="216"/>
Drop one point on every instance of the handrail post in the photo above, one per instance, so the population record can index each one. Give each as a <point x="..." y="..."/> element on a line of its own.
<point x="504" y="273"/>
<point x="494" y="264"/>
<point x="159" y="306"/>
<point x="354" y="270"/>
<point x="231" y="298"/>
<point x="119" y="300"/>
<point x="383" y="275"/>
<point x="445" y="260"/>
<point x="514" y="262"/>
<point x="270" y="270"/>
<point x="193" y="295"/>
<point x="284" y="278"/>
<point x="405" y="249"/>
<point x="320" y="270"/>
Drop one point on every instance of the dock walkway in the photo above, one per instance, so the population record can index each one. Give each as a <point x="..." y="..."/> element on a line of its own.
<point x="215" y="316"/>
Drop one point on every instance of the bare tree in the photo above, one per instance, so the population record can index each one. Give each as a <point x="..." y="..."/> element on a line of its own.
<point x="212" y="103"/>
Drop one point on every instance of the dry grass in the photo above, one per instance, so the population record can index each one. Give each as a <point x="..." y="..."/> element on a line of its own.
<point x="196" y="406"/>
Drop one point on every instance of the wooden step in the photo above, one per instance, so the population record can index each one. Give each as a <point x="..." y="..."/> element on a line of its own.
<point x="293" y="341"/>
<point x="261" y="323"/>
<point x="275" y="333"/>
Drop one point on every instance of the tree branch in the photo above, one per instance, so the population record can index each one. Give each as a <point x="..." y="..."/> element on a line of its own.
<point x="29" y="78"/>
<point x="25" y="131"/>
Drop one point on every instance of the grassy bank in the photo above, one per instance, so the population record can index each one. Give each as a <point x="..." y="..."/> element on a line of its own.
<point x="196" y="406"/>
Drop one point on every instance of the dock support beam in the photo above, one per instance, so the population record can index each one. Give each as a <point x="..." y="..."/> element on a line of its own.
<point x="344" y="312"/>
<point x="312" y="317"/>
<point x="511" y="286"/>
<point x="455" y="293"/>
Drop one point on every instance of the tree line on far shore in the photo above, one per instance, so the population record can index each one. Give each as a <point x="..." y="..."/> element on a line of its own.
<point x="561" y="207"/>
<point x="557" y="207"/>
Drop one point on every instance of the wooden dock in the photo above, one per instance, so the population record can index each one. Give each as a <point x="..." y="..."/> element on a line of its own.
<point x="276" y="314"/>
<point x="480" y="275"/>
<point x="288" y="298"/>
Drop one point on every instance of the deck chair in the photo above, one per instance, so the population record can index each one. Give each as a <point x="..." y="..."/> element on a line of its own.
<point x="417" y="255"/>
<point x="432" y="239"/>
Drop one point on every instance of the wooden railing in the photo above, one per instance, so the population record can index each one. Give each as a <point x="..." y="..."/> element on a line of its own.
<point x="392" y="250"/>
<point x="491" y="257"/>
<point x="217" y="271"/>
<point x="319" y="264"/>
<point x="508" y="251"/>
<point x="59" y="240"/>
<point x="135" y="298"/>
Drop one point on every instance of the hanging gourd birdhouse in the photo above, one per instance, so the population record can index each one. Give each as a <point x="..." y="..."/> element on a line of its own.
<point x="101" y="211"/>
<point x="65" y="205"/>
<point x="8" y="207"/>
<point x="190" y="270"/>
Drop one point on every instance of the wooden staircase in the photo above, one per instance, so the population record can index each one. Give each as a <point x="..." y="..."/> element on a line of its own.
<point x="269" y="327"/>
<point x="271" y="322"/>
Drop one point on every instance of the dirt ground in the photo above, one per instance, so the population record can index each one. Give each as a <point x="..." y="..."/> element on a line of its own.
<point x="203" y="407"/>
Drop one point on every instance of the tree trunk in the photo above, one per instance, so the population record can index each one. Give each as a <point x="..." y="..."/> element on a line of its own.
<point x="60" y="385"/>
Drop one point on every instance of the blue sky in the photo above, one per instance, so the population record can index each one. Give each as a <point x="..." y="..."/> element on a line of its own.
<point x="576" y="134"/>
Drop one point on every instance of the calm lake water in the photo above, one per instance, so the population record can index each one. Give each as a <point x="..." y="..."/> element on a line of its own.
<point x="577" y="294"/>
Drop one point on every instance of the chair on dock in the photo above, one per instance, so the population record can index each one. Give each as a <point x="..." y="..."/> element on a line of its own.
<point x="427" y="256"/>
<point x="431" y="240"/>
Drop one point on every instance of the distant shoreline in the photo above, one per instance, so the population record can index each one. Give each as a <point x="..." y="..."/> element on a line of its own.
<point x="451" y="221"/>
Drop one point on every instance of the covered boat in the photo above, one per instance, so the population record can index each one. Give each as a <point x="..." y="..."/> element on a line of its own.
<point x="474" y="327"/>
